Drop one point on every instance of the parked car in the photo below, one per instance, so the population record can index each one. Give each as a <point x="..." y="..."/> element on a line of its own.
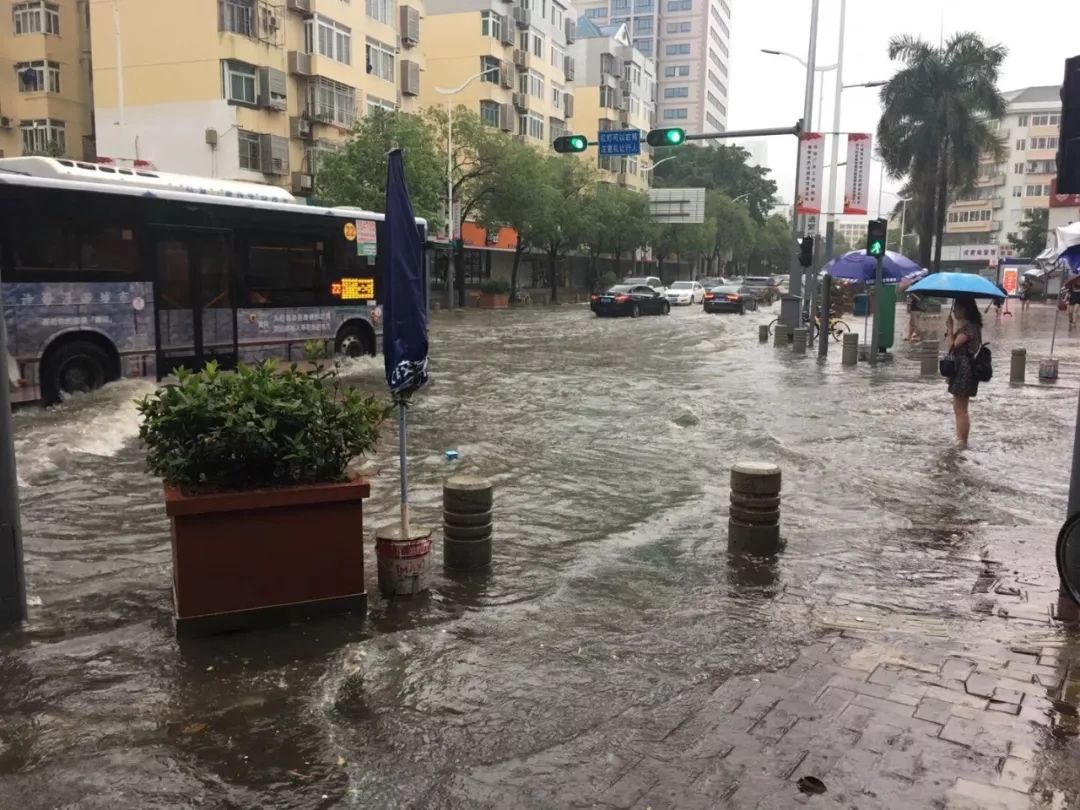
<point x="685" y="292"/>
<point x="708" y="282"/>
<point x="648" y="281"/>
<point x="762" y="288"/>
<point x="629" y="299"/>
<point x="730" y="298"/>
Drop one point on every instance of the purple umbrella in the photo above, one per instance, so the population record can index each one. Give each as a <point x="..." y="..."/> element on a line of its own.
<point x="856" y="265"/>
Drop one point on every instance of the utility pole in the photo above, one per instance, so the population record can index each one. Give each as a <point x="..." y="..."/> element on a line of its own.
<point x="12" y="571"/>
<point x="792" y="302"/>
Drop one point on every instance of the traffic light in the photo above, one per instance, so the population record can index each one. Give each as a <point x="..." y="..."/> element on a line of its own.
<point x="670" y="136"/>
<point x="1068" y="156"/>
<point x="876" y="232"/>
<point x="570" y="143"/>
<point x="806" y="251"/>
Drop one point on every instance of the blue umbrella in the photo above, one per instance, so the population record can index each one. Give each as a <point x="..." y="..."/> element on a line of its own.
<point x="953" y="285"/>
<point x="405" y="340"/>
<point x="856" y="265"/>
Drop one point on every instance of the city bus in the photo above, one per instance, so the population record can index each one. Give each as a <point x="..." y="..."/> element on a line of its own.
<point x="109" y="272"/>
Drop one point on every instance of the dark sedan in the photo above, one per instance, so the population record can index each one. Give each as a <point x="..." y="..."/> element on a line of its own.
<point x="729" y="298"/>
<point x="629" y="299"/>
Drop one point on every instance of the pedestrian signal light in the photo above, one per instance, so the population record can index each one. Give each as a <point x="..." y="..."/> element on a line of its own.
<point x="570" y="143"/>
<point x="671" y="136"/>
<point x="876" y="230"/>
<point x="806" y="251"/>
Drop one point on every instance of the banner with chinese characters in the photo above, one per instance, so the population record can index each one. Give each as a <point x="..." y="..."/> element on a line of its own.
<point x="811" y="171"/>
<point x="857" y="185"/>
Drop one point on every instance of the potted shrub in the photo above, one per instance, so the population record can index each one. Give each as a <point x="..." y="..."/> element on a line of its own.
<point x="266" y="524"/>
<point x="494" y="294"/>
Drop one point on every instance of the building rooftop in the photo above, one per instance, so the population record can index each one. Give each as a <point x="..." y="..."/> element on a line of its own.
<point x="1045" y="94"/>
<point x="587" y="29"/>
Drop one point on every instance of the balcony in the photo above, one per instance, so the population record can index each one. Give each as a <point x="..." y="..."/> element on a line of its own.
<point x="990" y="180"/>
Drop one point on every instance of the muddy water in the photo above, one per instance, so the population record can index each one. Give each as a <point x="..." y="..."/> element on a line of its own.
<point x="609" y="443"/>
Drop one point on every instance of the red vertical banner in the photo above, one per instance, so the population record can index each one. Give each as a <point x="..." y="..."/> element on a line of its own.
<point x="857" y="183"/>
<point x="811" y="171"/>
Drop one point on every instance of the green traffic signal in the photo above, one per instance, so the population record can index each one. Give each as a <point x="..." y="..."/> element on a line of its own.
<point x="669" y="136"/>
<point x="570" y="143"/>
<point x="876" y="231"/>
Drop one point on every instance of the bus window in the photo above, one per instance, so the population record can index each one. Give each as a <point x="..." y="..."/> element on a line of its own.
<point x="40" y="248"/>
<point x="174" y="277"/>
<point x="284" y="273"/>
<point x="109" y="248"/>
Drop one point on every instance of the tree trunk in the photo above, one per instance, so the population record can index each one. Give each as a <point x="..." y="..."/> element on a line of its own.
<point x="514" y="273"/>
<point x="617" y="254"/>
<point x="552" y="260"/>
<point x="924" y="226"/>
<point x="459" y="272"/>
<point x="941" y="204"/>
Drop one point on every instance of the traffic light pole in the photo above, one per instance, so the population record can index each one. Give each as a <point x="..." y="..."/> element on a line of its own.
<point x="12" y="574"/>
<point x="875" y="334"/>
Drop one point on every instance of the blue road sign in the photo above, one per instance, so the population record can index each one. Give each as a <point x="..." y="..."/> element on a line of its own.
<point x="620" y="142"/>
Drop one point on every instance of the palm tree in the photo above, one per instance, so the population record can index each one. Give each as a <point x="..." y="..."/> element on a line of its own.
<point x="937" y="123"/>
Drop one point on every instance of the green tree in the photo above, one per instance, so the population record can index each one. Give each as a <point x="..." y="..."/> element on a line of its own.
<point x="357" y="174"/>
<point x="937" y="122"/>
<point x="559" y="216"/>
<point x="732" y="230"/>
<point x="720" y="168"/>
<point x="1032" y="239"/>
<point x="772" y="246"/>
<point x="631" y="226"/>
<point x="690" y="241"/>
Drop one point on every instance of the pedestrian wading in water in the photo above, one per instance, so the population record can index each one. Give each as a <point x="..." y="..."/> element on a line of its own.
<point x="963" y="339"/>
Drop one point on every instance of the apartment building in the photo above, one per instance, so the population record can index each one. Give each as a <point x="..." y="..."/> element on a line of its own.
<point x="614" y="89"/>
<point x="978" y="224"/>
<point x="45" y="96"/>
<point x="247" y="89"/>
<point x="511" y="60"/>
<point x="690" y="41"/>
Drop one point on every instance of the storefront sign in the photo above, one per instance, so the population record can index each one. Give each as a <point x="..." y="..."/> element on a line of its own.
<point x="1010" y="279"/>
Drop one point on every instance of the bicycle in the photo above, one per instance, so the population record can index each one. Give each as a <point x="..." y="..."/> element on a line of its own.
<point x="837" y="327"/>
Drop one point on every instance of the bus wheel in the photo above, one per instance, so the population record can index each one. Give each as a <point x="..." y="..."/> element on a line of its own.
<point x="75" y="368"/>
<point x="353" y="342"/>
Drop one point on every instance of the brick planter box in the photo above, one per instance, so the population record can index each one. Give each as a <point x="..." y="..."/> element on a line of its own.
<point x="493" y="300"/>
<point x="270" y="556"/>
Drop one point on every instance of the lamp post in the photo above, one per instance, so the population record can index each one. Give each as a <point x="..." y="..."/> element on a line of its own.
<point x="451" y="269"/>
<point x="817" y="69"/>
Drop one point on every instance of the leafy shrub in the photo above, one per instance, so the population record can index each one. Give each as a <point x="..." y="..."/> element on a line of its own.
<point x="259" y="427"/>
<point x="494" y="286"/>
<point x="606" y="282"/>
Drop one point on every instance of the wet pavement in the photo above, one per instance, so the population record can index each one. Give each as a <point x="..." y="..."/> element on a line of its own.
<point x="613" y="615"/>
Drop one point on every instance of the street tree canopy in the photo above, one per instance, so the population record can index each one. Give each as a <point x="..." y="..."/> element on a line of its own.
<point x="1032" y="239"/>
<point x="717" y="168"/>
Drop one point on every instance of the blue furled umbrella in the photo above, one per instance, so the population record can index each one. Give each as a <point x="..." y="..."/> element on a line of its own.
<point x="856" y="265"/>
<point x="953" y="285"/>
<point x="405" y="339"/>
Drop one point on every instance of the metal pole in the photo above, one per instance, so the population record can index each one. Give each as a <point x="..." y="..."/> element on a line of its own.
<point x="903" y="213"/>
<point x="450" y="201"/>
<point x="789" y="306"/>
<point x="826" y="303"/>
<point x="835" y="171"/>
<point x="119" y="66"/>
<point x="404" y="471"/>
<point x="12" y="571"/>
<point x="880" y="186"/>
<point x="875" y="332"/>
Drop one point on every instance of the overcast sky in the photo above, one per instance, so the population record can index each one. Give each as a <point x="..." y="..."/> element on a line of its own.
<point x="767" y="91"/>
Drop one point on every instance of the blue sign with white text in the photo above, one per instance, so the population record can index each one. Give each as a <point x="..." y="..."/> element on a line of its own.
<point x="620" y="142"/>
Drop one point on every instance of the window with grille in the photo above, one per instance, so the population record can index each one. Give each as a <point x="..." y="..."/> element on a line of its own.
<point x="678" y="48"/>
<point x="532" y="125"/>
<point x="328" y="38"/>
<point x="489" y="113"/>
<point x="491" y="24"/>
<point x="237" y="17"/>
<point x="43" y="136"/>
<point x="332" y="101"/>
<point x="239" y="82"/>
<point x="40" y="76"/>
<point x="249" y="150"/>
<point x="380" y="59"/>
<point x="36" y="17"/>
<point x="489" y="69"/>
<point x="380" y="10"/>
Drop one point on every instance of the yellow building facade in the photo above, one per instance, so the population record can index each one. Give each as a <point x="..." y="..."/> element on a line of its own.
<point x="247" y="89"/>
<point x="45" y="96"/>
<point x="513" y="60"/>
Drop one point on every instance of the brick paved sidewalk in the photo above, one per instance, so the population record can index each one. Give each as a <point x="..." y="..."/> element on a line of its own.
<point x="888" y="711"/>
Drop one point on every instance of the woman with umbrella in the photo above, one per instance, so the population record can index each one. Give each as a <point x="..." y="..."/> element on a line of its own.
<point x="963" y="337"/>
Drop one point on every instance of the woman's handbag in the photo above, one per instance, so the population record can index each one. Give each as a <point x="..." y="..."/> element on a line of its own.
<point x="947" y="366"/>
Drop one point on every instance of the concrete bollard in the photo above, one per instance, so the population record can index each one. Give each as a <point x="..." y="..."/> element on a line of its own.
<point x="798" y="341"/>
<point x="780" y="335"/>
<point x="1018" y="366"/>
<point x="928" y="358"/>
<point x="763" y="333"/>
<point x="754" y="518"/>
<point x="467" y="524"/>
<point x="404" y="562"/>
<point x="849" y="353"/>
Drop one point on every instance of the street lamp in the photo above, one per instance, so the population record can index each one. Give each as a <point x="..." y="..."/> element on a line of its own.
<point x="450" y="93"/>
<point x="817" y="69"/>
<point x="657" y="163"/>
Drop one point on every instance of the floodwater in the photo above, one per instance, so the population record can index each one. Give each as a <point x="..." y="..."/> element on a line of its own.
<point x="609" y="442"/>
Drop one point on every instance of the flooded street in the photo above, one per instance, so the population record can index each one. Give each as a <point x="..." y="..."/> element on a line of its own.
<point x="609" y="442"/>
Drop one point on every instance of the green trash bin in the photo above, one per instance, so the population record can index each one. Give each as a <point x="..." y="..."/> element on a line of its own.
<point x="886" y="320"/>
<point x="861" y="305"/>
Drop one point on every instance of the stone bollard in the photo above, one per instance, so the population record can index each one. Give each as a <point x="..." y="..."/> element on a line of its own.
<point x="1018" y="366"/>
<point x="798" y="341"/>
<point x="754" y="519"/>
<point x="404" y="562"/>
<point x="763" y="333"/>
<point x="467" y="506"/>
<point x="849" y="354"/>
<point x="928" y="358"/>
<point x="780" y="335"/>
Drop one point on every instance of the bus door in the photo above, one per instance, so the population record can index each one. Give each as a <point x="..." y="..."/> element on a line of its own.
<point x="193" y="294"/>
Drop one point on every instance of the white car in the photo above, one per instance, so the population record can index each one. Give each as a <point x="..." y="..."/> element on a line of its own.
<point x="648" y="281"/>
<point x="685" y="292"/>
